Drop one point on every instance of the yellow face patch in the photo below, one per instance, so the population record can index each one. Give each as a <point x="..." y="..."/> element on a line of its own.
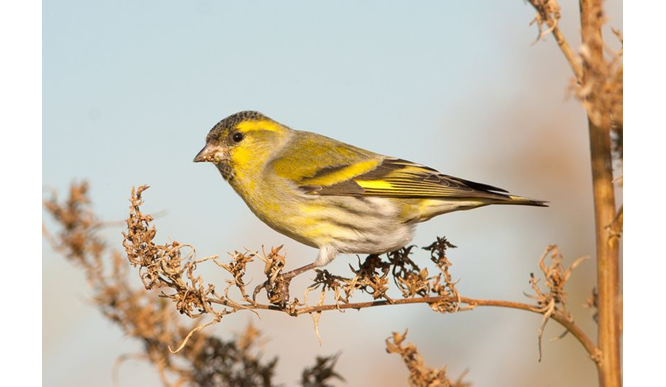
<point x="261" y="137"/>
<point x="241" y="156"/>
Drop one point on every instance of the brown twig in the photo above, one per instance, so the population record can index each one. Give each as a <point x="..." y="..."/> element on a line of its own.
<point x="562" y="319"/>
<point x="548" y="12"/>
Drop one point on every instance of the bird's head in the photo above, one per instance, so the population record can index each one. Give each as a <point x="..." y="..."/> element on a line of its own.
<point x="242" y="143"/>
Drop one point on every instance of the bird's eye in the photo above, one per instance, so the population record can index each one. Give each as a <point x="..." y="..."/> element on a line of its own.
<point x="237" y="137"/>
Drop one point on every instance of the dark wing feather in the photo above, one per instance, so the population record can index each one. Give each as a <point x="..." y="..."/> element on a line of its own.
<point x="403" y="179"/>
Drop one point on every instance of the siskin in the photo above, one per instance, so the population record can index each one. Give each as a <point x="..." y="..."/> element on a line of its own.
<point x="331" y="195"/>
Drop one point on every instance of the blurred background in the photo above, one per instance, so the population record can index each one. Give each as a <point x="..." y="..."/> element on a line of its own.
<point x="130" y="90"/>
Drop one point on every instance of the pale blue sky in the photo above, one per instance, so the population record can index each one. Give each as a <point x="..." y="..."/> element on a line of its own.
<point x="130" y="89"/>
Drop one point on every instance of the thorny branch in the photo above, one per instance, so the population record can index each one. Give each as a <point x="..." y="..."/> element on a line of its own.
<point x="206" y="361"/>
<point x="158" y="267"/>
<point x="554" y="299"/>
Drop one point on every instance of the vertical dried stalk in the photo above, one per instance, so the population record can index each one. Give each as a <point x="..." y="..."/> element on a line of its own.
<point x="604" y="208"/>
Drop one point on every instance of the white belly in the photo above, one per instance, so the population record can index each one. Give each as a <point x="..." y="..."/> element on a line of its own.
<point x="382" y="241"/>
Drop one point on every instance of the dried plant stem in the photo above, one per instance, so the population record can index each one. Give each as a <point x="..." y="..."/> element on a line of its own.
<point x="565" y="321"/>
<point x="569" y="53"/>
<point x="607" y="258"/>
<point x="604" y="211"/>
<point x="562" y="319"/>
<point x="542" y="8"/>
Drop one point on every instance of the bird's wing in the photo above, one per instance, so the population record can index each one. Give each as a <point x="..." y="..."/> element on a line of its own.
<point x="312" y="159"/>
<point x="403" y="179"/>
<point x="322" y="166"/>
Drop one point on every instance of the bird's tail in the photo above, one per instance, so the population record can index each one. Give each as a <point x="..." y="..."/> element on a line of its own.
<point x="523" y="201"/>
<point x="430" y="208"/>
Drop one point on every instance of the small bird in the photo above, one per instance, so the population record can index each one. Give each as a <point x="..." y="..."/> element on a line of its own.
<point x="331" y="195"/>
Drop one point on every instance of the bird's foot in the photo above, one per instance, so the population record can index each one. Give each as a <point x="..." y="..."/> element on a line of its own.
<point x="277" y="286"/>
<point x="277" y="290"/>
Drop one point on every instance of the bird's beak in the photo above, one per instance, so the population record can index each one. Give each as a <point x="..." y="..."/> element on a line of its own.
<point x="207" y="154"/>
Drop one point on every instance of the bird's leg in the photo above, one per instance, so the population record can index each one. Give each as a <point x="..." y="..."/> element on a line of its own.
<point x="288" y="276"/>
<point x="326" y="255"/>
<point x="277" y="286"/>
